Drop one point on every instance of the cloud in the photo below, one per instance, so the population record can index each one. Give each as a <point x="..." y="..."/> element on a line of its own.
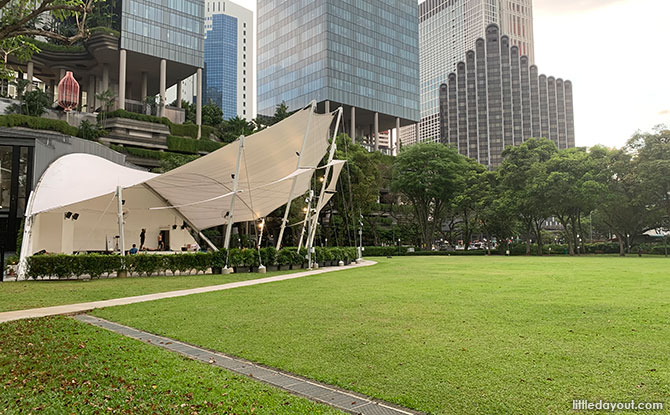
<point x="571" y="6"/>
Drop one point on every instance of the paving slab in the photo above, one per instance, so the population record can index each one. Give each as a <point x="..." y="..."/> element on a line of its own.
<point x="344" y="400"/>
<point x="85" y="307"/>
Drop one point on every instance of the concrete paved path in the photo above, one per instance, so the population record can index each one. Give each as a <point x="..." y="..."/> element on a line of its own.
<point x="348" y="401"/>
<point x="83" y="307"/>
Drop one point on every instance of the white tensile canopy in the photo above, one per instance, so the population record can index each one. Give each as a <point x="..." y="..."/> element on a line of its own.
<point x="75" y="205"/>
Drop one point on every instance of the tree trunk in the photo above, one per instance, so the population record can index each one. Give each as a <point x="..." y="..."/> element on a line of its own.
<point x="528" y="232"/>
<point x="622" y="247"/>
<point x="538" y="235"/>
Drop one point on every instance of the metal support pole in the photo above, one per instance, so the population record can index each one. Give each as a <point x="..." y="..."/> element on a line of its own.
<point x="307" y="218"/>
<point x="208" y="242"/>
<point x="319" y="205"/>
<point x="161" y="88"/>
<point x="119" y="204"/>
<point x="236" y="179"/>
<point x="290" y="195"/>
<point x="260" y="236"/>
<point x="198" y="102"/>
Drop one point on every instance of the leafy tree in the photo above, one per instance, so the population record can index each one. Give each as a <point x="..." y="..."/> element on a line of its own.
<point x="571" y="189"/>
<point x="281" y="112"/>
<point x="652" y="160"/>
<point x="172" y="161"/>
<point x="212" y="114"/>
<point x="474" y="187"/>
<point x="523" y="176"/>
<point x="19" y="48"/>
<point x="493" y="210"/>
<point x="622" y="206"/>
<point x="27" y="18"/>
<point x="233" y="128"/>
<point x="429" y="177"/>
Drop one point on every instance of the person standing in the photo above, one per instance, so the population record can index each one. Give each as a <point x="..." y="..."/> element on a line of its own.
<point x="161" y="244"/>
<point x="143" y="235"/>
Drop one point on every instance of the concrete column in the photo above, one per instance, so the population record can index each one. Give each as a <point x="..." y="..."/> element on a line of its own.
<point x="30" y="71"/>
<point x="105" y="77"/>
<point x="327" y="107"/>
<point x="90" y="94"/>
<point x="376" y="131"/>
<point x="179" y="94"/>
<point x="52" y="89"/>
<point x="144" y="87"/>
<point x="198" y="102"/>
<point x="122" y="79"/>
<point x="353" y="123"/>
<point x="162" y="81"/>
<point x="394" y="146"/>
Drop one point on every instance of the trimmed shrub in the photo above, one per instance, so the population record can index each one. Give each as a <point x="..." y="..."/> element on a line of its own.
<point x="285" y="257"/>
<point x="235" y="257"/>
<point x="134" y="116"/>
<point x="184" y="130"/>
<point x="268" y="256"/>
<point x="250" y="258"/>
<point x="37" y="123"/>
<point x="188" y="145"/>
<point x="219" y="258"/>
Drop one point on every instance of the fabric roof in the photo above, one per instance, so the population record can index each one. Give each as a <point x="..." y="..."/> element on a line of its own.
<point x="201" y="191"/>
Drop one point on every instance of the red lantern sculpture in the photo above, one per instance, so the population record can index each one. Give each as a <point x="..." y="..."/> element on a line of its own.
<point x="68" y="92"/>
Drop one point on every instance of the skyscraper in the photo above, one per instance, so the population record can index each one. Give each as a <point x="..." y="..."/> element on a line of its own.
<point x="361" y="55"/>
<point x="449" y="28"/>
<point x="495" y="100"/>
<point x="229" y="62"/>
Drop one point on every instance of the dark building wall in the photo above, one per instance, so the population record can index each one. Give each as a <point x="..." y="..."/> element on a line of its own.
<point x="453" y="111"/>
<point x="517" y="108"/>
<point x="471" y="79"/>
<point x="569" y="114"/>
<point x="462" y="110"/>
<point x="525" y="98"/>
<point x="553" y="111"/>
<point x="482" y="103"/>
<point x="535" y="102"/>
<point x="544" y="107"/>
<point x="444" y="113"/>
<point x="508" y="131"/>
<point x="494" y="94"/>
<point x="496" y="100"/>
<point x="560" y="102"/>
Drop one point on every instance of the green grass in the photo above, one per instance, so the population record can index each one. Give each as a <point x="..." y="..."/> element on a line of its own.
<point x="60" y="366"/>
<point x="33" y="294"/>
<point x="449" y="335"/>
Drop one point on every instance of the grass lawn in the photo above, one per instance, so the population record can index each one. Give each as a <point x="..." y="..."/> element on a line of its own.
<point x="449" y="335"/>
<point x="60" y="366"/>
<point x="32" y="294"/>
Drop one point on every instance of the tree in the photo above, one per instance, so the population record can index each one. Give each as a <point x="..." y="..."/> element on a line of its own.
<point x="622" y="205"/>
<point x="571" y="189"/>
<point x="212" y="114"/>
<point x="474" y="187"/>
<point x="26" y="19"/>
<point x="523" y="177"/>
<point x="18" y="47"/>
<point x="235" y="127"/>
<point x="281" y="112"/>
<point x="493" y="213"/>
<point x="652" y="160"/>
<point x="428" y="176"/>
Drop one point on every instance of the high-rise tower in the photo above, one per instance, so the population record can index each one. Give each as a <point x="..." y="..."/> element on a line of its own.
<point x="449" y="28"/>
<point x="362" y="55"/>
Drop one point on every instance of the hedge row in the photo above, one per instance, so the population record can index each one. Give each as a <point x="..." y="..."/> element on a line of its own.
<point x="95" y="265"/>
<point x="518" y="249"/>
<point x="37" y="123"/>
<point x="134" y="116"/>
<point x="189" y="145"/>
<point x="139" y="152"/>
<point x="180" y="130"/>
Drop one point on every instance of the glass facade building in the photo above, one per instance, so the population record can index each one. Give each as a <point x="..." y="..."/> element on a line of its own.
<point x="167" y="29"/>
<point x="448" y="29"/>
<point x="356" y="53"/>
<point x="221" y="64"/>
<point x="494" y="100"/>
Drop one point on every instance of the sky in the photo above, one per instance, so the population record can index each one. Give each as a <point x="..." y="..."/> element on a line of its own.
<point x="615" y="52"/>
